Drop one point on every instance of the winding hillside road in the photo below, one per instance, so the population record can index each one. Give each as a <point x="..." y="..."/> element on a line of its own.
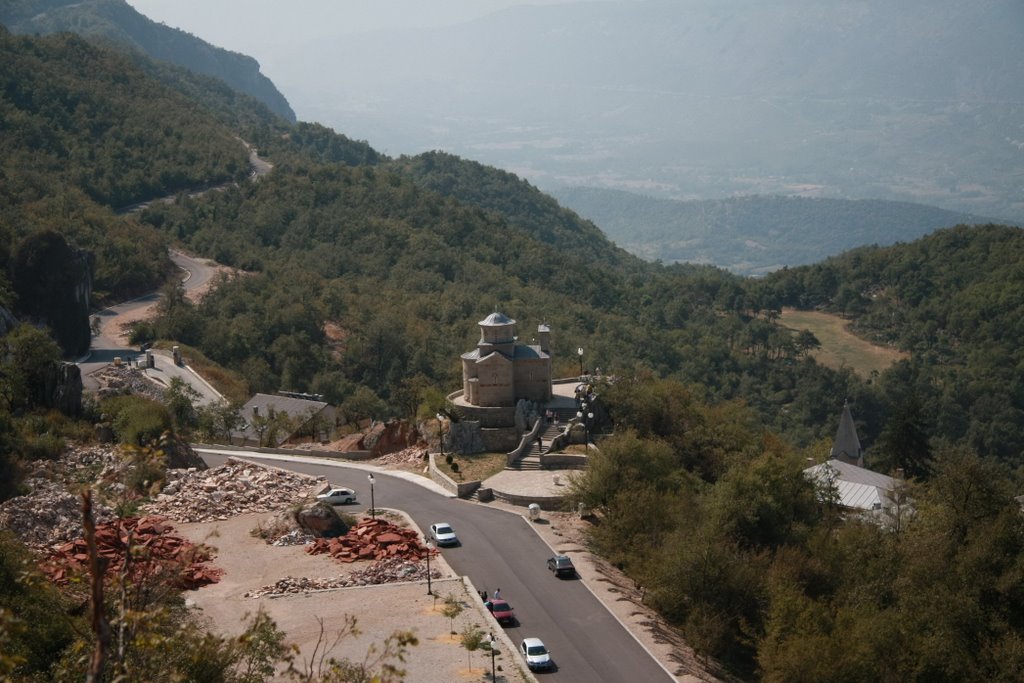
<point x="109" y="344"/>
<point x="500" y="550"/>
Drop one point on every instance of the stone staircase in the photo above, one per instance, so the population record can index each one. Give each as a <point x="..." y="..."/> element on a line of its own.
<point x="531" y="461"/>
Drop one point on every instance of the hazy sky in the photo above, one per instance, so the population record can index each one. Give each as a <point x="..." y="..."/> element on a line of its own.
<point x="260" y="28"/>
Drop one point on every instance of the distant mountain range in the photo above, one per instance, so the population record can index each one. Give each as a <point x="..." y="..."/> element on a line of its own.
<point x="117" y="21"/>
<point x="754" y="235"/>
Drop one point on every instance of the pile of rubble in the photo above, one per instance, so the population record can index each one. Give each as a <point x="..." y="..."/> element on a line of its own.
<point x="390" y="570"/>
<point x="293" y="537"/>
<point x="125" y="379"/>
<point x="372" y="539"/>
<point x="234" y="488"/>
<point x="154" y="552"/>
<point x="411" y="455"/>
<point x="51" y="513"/>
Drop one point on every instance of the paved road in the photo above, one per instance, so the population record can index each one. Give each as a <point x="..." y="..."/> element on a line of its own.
<point x="165" y="370"/>
<point x="106" y="345"/>
<point x="500" y="550"/>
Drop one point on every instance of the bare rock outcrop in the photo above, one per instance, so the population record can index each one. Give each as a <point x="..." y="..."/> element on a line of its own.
<point x="388" y="437"/>
<point x="321" y="520"/>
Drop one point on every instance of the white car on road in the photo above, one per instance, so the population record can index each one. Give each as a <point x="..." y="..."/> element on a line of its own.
<point x="443" y="534"/>
<point x="537" y="656"/>
<point x="339" y="495"/>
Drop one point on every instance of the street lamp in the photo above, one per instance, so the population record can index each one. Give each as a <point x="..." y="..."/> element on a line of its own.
<point x="579" y="352"/>
<point x="586" y="419"/>
<point x="494" y="646"/>
<point x="373" y="508"/>
<point x="430" y="549"/>
<point x="440" y="431"/>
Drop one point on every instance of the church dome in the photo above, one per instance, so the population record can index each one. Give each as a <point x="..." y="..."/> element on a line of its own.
<point x="496" y="320"/>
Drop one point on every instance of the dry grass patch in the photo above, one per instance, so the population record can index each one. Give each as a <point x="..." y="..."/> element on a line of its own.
<point x="839" y="346"/>
<point x="475" y="467"/>
<point x="228" y="383"/>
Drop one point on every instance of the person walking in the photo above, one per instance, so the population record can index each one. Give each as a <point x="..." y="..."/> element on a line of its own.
<point x="497" y="594"/>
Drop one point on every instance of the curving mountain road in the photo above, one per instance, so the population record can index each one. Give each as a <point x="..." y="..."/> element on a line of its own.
<point x="500" y="550"/>
<point x="108" y="344"/>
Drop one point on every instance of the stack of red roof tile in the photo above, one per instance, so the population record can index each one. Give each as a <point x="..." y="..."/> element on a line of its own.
<point x="372" y="539"/>
<point x="155" y="552"/>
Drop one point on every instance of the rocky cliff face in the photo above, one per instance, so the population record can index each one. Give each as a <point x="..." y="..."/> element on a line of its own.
<point x="53" y="282"/>
<point x="387" y="437"/>
<point x="117" y="21"/>
<point x="64" y="389"/>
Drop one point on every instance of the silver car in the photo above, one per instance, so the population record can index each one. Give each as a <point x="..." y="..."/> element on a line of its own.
<point x="443" y="534"/>
<point x="339" y="495"/>
<point x="536" y="655"/>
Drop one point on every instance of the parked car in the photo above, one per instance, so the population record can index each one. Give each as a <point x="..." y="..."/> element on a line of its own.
<point x="536" y="655"/>
<point x="561" y="565"/>
<point x="502" y="611"/>
<point x="339" y="495"/>
<point x="443" y="534"/>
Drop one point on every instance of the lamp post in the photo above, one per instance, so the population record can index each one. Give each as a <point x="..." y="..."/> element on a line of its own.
<point x="430" y="549"/>
<point x="586" y="419"/>
<point x="494" y="645"/>
<point x="373" y="507"/>
<point x="440" y="432"/>
<point x="579" y="352"/>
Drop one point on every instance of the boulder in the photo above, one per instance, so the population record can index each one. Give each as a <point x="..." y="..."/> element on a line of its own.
<point x="321" y="520"/>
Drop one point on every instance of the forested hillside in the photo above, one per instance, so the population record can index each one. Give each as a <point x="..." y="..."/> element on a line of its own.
<point x="362" y="278"/>
<point x="955" y="299"/>
<point x="753" y="235"/>
<point x="118" y="23"/>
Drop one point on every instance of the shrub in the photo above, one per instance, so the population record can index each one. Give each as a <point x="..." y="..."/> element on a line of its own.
<point x="137" y="421"/>
<point x="43" y="447"/>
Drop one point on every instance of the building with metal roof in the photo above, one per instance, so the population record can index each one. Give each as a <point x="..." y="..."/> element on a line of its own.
<point x="272" y="419"/>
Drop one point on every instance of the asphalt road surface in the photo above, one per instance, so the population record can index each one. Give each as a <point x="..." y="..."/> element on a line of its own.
<point x="499" y="550"/>
<point x="106" y="345"/>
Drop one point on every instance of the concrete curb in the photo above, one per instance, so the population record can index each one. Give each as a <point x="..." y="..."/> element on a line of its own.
<point x="428" y="484"/>
<point x="513" y="651"/>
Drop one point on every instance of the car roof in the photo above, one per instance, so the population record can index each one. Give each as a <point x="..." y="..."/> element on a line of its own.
<point x="531" y="642"/>
<point x="442" y="524"/>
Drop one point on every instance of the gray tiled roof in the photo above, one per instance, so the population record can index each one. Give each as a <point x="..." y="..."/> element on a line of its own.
<point x="295" y="407"/>
<point x="262" y="403"/>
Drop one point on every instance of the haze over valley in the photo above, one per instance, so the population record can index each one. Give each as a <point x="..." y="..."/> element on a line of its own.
<point x="912" y="101"/>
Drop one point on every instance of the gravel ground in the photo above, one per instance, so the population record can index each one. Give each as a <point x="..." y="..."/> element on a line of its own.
<point x="249" y="564"/>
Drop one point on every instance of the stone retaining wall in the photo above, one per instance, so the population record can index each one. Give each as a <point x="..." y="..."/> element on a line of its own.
<point x="549" y="503"/>
<point x="563" y="461"/>
<point x="337" y="455"/>
<point x="461" y="489"/>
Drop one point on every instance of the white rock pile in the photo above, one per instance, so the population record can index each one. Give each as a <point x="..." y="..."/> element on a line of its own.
<point x="234" y="488"/>
<point x="51" y="512"/>
<point x="391" y="570"/>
